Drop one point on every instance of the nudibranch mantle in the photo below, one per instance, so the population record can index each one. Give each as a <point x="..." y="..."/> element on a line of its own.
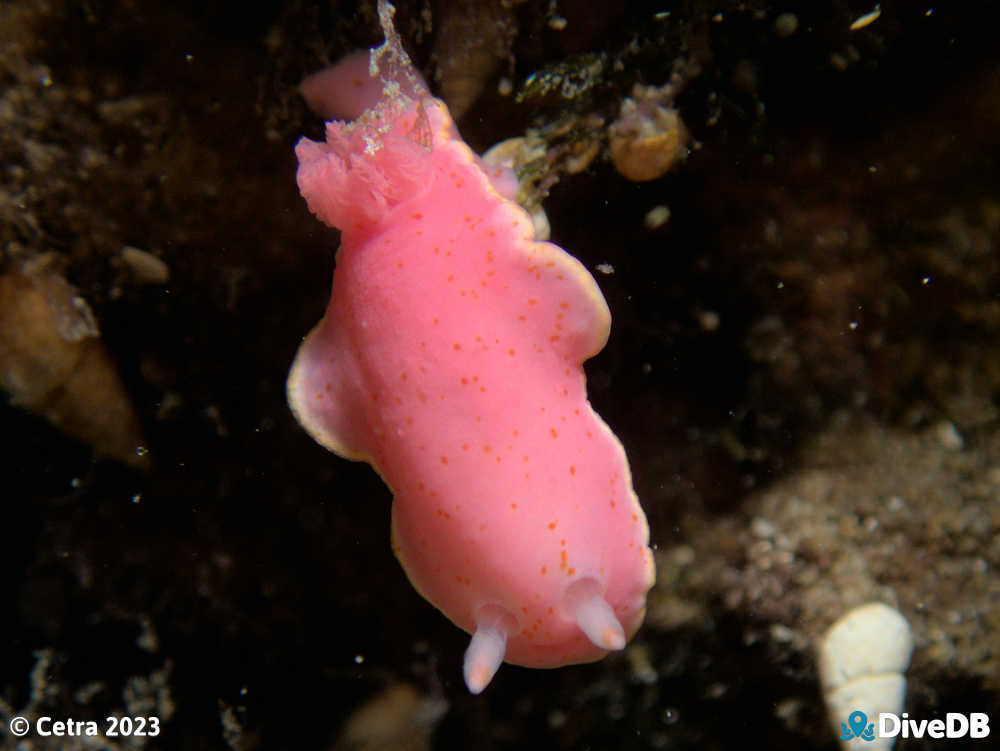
<point x="450" y="359"/>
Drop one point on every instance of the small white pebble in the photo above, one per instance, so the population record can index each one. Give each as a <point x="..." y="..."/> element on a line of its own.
<point x="656" y="217"/>
<point x="949" y="436"/>
<point x="605" y="268"/>
<point x="867" y="18"/>
<point x="781" y="633"/>
<point x="145" y="266"/>
<point x="762" y="528"/>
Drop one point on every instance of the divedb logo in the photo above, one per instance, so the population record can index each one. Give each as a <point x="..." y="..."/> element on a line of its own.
<point x="954" y="725"/>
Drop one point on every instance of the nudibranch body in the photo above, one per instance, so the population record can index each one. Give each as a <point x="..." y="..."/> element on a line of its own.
<point x="450" y="359"/>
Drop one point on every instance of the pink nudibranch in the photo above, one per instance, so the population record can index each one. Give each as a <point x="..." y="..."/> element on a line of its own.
<point x="450" y="359"/>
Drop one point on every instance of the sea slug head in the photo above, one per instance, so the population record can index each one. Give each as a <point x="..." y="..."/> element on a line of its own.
<point x="378" y="158"/>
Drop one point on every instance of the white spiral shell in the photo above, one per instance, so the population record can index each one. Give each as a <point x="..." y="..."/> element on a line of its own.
<point x="862" y="659"/>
